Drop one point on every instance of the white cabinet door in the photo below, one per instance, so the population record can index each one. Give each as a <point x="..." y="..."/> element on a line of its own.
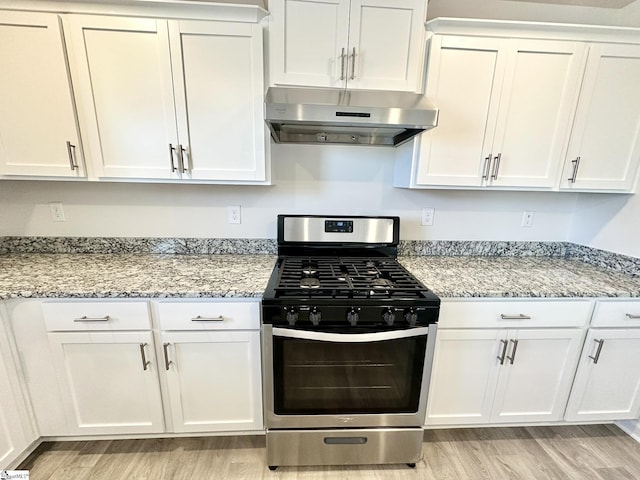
<point x="465" y="76"/>
<point x="386" y="44"/>
<point x="362" y="44"/>
<point x="309" y="41"/>
<point x="219" y="92"/>
<point x="214" y="380"/>
<point x="538" y="98"/>
<point x="38" y="129"/>
<point x="604" y="150"/>
<point x="607" y="384"/>
<point x="536" y="377"/>
<point x="109" y="381"/>
<point x="464" y="376"/>
<point x="505" y="110"/>
<point x="13" y="439"/>
<point x="122" y="73"/>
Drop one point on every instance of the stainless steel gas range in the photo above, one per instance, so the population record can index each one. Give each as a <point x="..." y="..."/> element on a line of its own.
<point x="348" y="337"/>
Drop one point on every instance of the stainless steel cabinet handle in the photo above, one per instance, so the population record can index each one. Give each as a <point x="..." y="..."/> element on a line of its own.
<point x="485" y="170"/>
<point x="515" y="317"/>
<point x="167" y="362"/>
<point x="504" y="351"/>
<point x="631" y="316"/>
<point x="496" y="166"/>
<point x="173" y="165"/>
<point x="145" y="362"/>
<point x="342" y="61"/>
<point x="71" y="151"/>
<point x="513" y="352"/>
<point x="353" y="64"/>
<point x="181" y="152"/>
<point x="199" y="318"/>
<point x="598" y="351"/>
<point x="84" y="318"/>
<point x="574" y="174"/>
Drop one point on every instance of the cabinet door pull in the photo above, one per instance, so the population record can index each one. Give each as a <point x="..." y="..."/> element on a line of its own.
<point x="504" y="351"/>
<point x="167" y="362"/>
<point x="84" y="318"/>
<point x="597" y="355"/>
<point x="145" y="362"/>
<point x="71" y="151"/>
<point x="343" y="58"/>
<point x="496" y="166"/>
<point x="520" y="316"/>
<point x="631" y="316"/>
<point x="353" y="64"/>
<point x="173" y="165"/>
<point x="199" y="318"/>
<point x="181" y="154"/>
<point x="485" y="170"/>
<point x="574" y="174"/>
<point x="513" y="352"/>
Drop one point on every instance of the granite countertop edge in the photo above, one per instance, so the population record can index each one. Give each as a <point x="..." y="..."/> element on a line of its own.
<point x="233" y="276"/>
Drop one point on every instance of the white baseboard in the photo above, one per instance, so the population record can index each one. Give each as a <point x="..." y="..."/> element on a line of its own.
<point x="631" y="428"/>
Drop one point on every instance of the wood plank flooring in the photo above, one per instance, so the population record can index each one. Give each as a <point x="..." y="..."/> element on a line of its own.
<point x="595" y="452"/>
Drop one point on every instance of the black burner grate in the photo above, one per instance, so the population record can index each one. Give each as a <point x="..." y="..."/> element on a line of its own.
<point x="345" y="277"/>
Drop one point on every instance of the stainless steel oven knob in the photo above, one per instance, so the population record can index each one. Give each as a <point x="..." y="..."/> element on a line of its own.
<point x="411" y="316"/>
<point x="315" y="315"/>
<point x="292" y="315"/>
<point x="389" y="316"/>
<point x="353" y="316"/>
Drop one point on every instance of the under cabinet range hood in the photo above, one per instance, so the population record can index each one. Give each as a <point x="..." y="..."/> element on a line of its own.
<point x="352" y="117"/>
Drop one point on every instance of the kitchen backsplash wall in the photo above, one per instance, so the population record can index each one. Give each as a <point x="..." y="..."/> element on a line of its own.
<point x="307" y="179"/>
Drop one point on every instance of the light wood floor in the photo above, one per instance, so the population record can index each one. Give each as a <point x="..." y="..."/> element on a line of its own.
<point x="598" y="452"/>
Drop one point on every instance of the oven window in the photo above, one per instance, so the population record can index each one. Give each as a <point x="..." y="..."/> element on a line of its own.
<point x="317" y="377"/>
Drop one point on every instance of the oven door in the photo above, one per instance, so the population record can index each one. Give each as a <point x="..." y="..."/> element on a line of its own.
<point x="319" y="379"/>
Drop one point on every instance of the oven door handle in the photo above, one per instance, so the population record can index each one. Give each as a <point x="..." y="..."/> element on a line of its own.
<point x="349" y="337"/>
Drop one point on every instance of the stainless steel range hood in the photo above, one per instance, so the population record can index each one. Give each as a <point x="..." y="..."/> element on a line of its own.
<point x="363" y="117"/>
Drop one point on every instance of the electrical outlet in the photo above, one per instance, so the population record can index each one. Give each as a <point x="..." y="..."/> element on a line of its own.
<point x="527" y="219"/>
<point x="57" y="212"/>
<point x="427" y="216"/>
<point x="234" y="214"/>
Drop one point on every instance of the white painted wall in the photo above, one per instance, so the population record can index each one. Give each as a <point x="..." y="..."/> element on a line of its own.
<point x="534" y="11"/>
<point x="609" y="222"/>
<point x="307" y="179"/>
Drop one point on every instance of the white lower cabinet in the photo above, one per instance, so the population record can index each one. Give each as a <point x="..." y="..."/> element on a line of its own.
<point x="213" y="380"/>
<point x="14" y="437"/>
<point x="110" y="380"/>
<point x="607" y="384"/>
<point x="198" y="371"/>
<point x="487" y="375"/>
<point x="502" y="376"/>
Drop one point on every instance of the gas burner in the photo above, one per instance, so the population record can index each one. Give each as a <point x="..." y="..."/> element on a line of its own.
<point x="309" y="282"/>
<point x="310" y="268"/>
<point x="381" y="283"/>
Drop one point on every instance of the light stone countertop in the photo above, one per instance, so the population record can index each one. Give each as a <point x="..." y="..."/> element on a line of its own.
<point x="133" y="275"/>
<point x="519" y="277"/>
<point x="192" y="276"/>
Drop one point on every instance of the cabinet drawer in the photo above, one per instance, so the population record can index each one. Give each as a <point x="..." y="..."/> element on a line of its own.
<point x="70" y="316"/>
<point x="514" y="313"/>
<point x="621" y="313"/>
<point x="209" y="315"/>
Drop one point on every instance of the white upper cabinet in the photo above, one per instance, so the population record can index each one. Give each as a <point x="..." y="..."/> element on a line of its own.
<point x="219" y="93"/>
<point x="362" y="44"/>
<point x="123" y="80"/>
<point x="38" y="128"/>
<point x="604" y="150"/>
<point x="505" y="106"/>
<point x="170" y="99"/>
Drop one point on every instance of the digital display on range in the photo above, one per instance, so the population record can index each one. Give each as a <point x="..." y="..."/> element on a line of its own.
<point x="338" y="226"/>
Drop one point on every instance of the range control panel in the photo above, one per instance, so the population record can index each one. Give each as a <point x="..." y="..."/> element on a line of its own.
<point x="338" y="226"/>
